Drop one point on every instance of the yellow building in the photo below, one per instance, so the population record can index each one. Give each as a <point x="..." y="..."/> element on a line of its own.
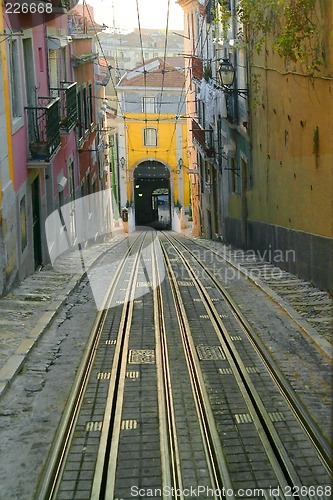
<point x="152" y="141"/>
<point x="290" y="204"/>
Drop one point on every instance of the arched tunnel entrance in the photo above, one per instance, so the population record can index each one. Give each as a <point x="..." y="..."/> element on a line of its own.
<point x="152" y="195"/>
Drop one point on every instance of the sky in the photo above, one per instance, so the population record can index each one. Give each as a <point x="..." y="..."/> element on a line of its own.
<point x="153" y="13"/>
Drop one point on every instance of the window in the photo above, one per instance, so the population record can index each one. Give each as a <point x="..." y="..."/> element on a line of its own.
<point x="79" y="114"/>
<point x="207" y="173"/>
<point x="201" y="113"/>
<point x="53" y="69"/>
<point x="85" y="110"/>
<point x="71" y="178"/>
<point x="14" y="61"/>
<point x="90" y="105"/>
<point x="41" y="59"/>
<point x="63" y="65"/>
<point x="150" y="136"/>
<point x="234" y="178"/>
<point x="148" y="105"/>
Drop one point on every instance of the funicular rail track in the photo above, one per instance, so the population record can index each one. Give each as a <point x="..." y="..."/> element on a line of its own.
<point x="276" y="449"/>
<point x="218" y="473"/>
<point x="295" y="404"/>
<point x="54" y="466"/>
<point x="174" y="394"/>
<point x="171" y="469"/>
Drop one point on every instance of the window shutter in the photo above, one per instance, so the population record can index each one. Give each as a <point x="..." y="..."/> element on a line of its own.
<point x="53" y="70"/>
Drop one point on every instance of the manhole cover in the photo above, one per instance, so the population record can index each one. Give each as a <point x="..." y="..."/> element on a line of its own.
<point x="207" y="352"/>
<point x="141" y="356"/>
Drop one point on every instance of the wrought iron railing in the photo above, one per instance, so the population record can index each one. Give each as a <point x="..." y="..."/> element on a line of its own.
<point x="204" y="138"/>
<point x="68" y="105"/>
<point x="44" y="129"/>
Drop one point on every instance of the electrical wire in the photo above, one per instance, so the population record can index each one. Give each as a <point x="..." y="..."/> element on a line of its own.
<point x="186" y="77"/>
<point x="164" y="60"/>
<point x="183" y="95"/>
<point x="182" y="98"/>
<point x="143" y="61"/>
<point x="102" y="50"/>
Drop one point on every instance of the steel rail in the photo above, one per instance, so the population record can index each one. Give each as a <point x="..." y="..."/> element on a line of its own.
<point x="51" y="475"/>
<point x="105" y="470"/>
<point x="170" y="458"/>
<point x="216" y="462"/>
<point x="271" y="441"/>
<point x="318" y="440"/>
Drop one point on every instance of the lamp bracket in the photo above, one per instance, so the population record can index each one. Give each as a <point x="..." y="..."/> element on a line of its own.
<point x="232" y="91"/>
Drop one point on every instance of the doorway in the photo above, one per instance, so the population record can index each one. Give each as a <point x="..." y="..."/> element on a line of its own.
<point x="37" y="242"/>
<point x="152" y="195"/>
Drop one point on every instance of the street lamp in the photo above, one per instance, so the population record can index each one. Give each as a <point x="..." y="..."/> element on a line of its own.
<point x="226" y="73"/>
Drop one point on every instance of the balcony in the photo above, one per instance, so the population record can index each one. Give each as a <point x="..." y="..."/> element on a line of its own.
<point x="204" y="139"/>
<point x="68" y="107"/>
<point x="44" y="129"/>
<point x="197" y="68"/>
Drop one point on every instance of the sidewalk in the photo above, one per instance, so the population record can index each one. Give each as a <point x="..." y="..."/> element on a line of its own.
<point x="26" y="311"/>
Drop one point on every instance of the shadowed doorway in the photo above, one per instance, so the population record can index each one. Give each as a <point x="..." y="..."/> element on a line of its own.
<point x="152" y="195"/>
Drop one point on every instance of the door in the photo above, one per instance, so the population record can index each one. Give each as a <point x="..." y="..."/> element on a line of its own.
<point x="36" y="222"/>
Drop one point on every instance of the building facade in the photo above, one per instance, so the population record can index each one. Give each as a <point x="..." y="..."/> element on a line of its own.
<point x="34" y="173"/>
<point x="47" y="119"/>
<point x="290" y="206"/>
<point x="263" y="163"/>
<point x="8" y="236"/>
<point x="152" y="141"/>
<point x="217" y="122"/>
